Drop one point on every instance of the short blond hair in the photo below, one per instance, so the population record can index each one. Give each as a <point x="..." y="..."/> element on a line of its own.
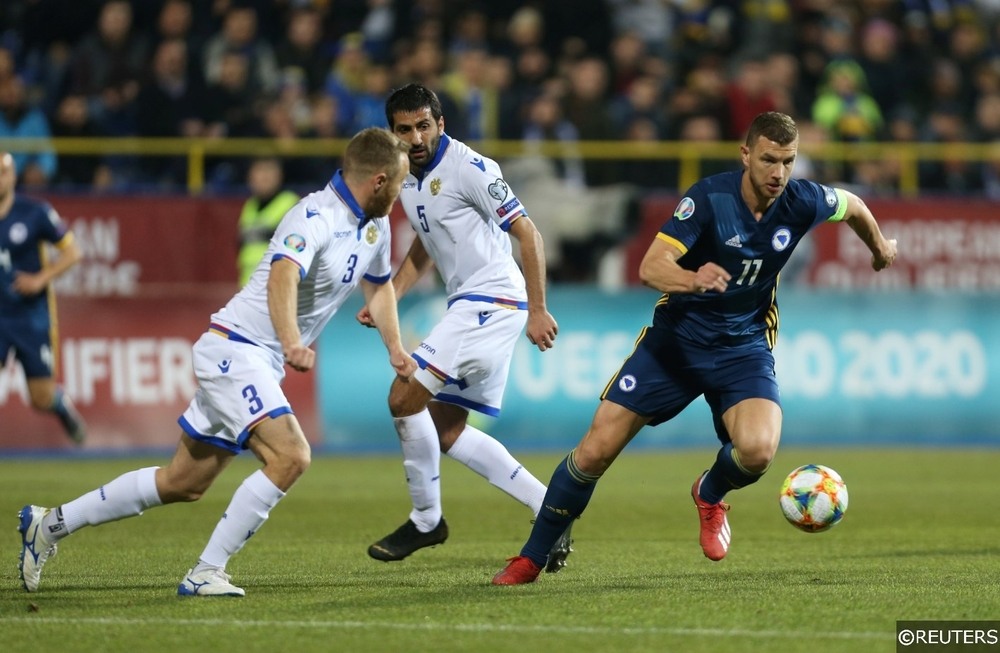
<point x="372" y="151"/>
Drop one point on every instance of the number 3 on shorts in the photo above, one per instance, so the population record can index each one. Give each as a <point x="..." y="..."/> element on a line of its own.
<point x="250" y="394"/>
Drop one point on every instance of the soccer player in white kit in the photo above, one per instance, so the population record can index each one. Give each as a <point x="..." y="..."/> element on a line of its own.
<point x="329" y="243"/>
<point x="463" y="213"/>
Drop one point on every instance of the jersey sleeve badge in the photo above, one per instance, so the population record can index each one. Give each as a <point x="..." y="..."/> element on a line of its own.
<point x="685" y="209"/>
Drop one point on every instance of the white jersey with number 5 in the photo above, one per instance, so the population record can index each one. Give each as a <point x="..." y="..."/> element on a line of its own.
<point x="461" y="208"/>
<point x="334" y="246"/>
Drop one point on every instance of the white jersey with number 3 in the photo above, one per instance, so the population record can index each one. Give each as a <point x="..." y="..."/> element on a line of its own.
<point x="334" y="246"/>
<point x="461" y="209"/>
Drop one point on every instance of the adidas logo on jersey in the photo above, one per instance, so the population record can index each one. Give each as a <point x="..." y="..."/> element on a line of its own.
<point x="735" y="241"/>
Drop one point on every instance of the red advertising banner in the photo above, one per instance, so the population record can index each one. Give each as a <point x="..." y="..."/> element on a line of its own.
<point x="154" y="270"/>
<point x="943" y="244"/>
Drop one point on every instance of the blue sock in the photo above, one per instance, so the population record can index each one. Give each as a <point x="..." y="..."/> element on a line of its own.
<point x="725" y="475"/>
<point x="565" y="499"/>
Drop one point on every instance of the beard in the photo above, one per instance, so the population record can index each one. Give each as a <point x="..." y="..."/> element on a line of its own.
<point x="380" y="203"/>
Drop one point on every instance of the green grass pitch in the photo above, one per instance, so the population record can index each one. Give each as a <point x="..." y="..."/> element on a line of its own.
<point x="920" y="540"/>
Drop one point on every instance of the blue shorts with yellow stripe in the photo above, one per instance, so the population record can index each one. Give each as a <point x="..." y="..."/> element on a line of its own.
<point x="666" y="372"/>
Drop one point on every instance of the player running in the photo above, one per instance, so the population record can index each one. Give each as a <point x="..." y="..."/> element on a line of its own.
<point x="463" y="213"/>
<point x="717" y="261"/>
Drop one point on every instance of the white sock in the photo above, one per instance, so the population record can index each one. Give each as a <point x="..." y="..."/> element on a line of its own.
<point x="247" y="512"/>
<point x="485" y="455"/>
<point x="126" y="496"/>
<point x="422" y="463"/>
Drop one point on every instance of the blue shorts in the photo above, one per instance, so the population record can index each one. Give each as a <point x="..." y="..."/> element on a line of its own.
<point x="665" y="373"/>
<point x="31" y="340"/>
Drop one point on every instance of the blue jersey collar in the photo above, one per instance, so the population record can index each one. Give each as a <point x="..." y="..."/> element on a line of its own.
<point x="340" y="187"/>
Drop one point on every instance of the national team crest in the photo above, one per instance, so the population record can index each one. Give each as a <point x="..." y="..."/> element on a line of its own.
<point x="435" y="186"/>
<point x="371" y="235"/>
<point x="781" y="239"/>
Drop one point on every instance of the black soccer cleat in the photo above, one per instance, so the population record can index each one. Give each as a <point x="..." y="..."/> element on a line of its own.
<point x="560" y="551"/>
<point x="406" y="539"/>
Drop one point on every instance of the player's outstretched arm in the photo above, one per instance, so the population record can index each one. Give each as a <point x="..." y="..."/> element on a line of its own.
<point x="416" y="264"/>
<point x="860" y="218"/>
<point x="542" y="328"/>
<point x="282" y="304"/>
<point x="659" y="270"/>
<point x="381" y="302"/>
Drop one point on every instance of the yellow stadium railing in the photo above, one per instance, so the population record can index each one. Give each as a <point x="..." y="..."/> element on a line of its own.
<point x="689" y="155"/>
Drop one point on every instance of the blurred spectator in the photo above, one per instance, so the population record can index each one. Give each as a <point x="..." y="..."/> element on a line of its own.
<point x="369" y="108"/>
<point x="170" y="104"/>
<point x="783" y="77"/>
<point x="987" y="125"/>
<point x="261" y="213"/>
<point x="346" y="79"/>
<point x="844" y="107"/>
<point x="764" y="26"/>
<point x="107" y="64"/>
<point x="953" y="174"/>
<point x="642" y="101"/>
<point x="176" y="21"/>
<point x="230" y="106"/>
<point x="239" y="33"/>
<point x="378" y="29"/>
<point x="747" y="95"/>
<point x="650" y="20"/>
<point x="470" y="31"/>
<point x="302" y="48"/>
<point x="628" y="59"/>
<point x="469" y="85"/>
<point x="19" y="120"/>
<point x="79" y="171"/>
<point x="545" y="122"/>
<point x="586" y="106"/>
<point x="880" y="61"/>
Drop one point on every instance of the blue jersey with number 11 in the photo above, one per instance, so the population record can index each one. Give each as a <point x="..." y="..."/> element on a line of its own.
<point x="712" y="223"/>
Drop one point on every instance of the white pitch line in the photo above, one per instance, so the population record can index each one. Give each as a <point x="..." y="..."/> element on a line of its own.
<point x="470" y="627"/>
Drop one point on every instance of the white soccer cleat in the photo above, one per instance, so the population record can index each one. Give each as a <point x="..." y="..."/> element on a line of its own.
<point x="210" y="582"/>
<point x="35" y="547"/>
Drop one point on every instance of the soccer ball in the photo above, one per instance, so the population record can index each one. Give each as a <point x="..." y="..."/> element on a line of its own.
<point x="813" y="498"/>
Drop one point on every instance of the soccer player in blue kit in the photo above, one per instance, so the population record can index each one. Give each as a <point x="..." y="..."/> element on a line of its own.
<point x="331" y="242"/>
<point x="716" y="261"/>
<point x="27" y="306"/>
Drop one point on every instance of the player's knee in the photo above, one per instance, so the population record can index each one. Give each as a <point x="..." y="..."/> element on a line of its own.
<point x="756" y="458"/>
<point x="408" y="397"/>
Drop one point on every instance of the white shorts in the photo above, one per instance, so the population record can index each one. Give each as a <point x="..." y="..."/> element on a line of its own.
<point x="466" y="358"/>
<point x="239" y="386"/>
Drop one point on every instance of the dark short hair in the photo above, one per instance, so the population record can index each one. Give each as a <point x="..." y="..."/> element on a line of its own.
<point x="374" y="150"/>
<point x="774" y="126"/>
<point x="412" y="97"/>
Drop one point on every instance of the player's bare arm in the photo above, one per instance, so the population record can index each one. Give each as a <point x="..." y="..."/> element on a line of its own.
<point x="282" y="303"/>
<point x="542" y="328"/>
<point x="28" y="283"/>
<point x="659" y="270"/>
<point x="416" y="264"/>
<point x="860" y="218"/>
<point x="381" y="302"/>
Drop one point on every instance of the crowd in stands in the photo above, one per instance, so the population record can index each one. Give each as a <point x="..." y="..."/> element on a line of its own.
<point x="544" y="70"/>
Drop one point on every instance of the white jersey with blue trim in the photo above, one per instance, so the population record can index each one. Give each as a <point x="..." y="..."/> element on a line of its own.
<point x="461" y="209"/>
<point x="328" y="237"/>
